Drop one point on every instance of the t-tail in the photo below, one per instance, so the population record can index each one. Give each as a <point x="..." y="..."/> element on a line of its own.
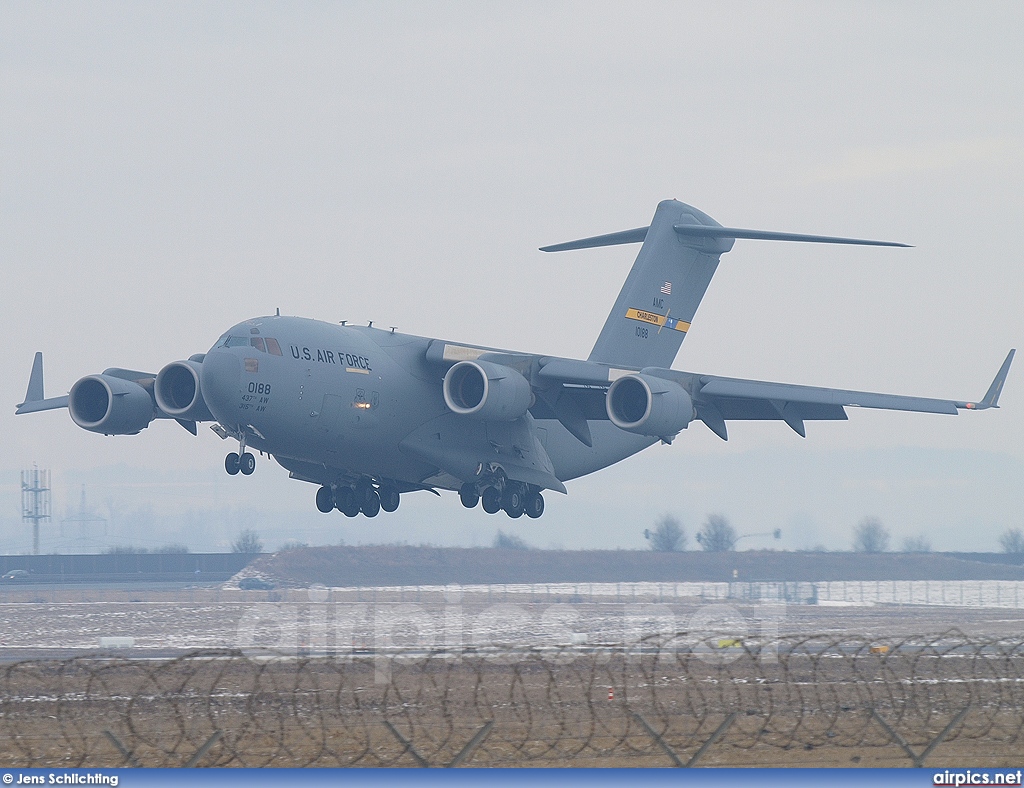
<point x="680" y="254"/>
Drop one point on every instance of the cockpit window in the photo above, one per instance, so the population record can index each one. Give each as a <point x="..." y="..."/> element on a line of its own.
<point x="267" y="345"/>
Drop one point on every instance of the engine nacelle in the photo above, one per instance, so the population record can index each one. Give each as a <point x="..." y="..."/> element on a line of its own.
<point x="487" y="391"/>
<point x="179" y="393"/>
<point x="109" y="405"/>
<point x="648" y="406"/>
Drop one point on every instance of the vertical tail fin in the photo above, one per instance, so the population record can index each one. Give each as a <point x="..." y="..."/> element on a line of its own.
<point x="679" y="256"/>
<point x="663" y="290"/>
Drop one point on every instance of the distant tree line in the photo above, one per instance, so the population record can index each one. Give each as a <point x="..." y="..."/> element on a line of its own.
<point x="869" y="536"/>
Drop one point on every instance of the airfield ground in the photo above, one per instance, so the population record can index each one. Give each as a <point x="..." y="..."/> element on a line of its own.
<point x="818" y="719"/>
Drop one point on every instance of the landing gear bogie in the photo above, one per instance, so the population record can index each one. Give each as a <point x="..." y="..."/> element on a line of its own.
<point x="362" y="497"/>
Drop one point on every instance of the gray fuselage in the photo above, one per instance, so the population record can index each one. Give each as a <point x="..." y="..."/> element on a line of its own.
<point x="330" y="401"/>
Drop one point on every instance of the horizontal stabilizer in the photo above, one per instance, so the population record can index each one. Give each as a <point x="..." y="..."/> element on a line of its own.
<point x="703" y="231"/>
<point x="611" y="239"/>
<point x="42" y="404"/>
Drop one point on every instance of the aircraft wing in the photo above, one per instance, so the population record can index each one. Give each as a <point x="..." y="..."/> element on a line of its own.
<point x="574" y="392"/>
<point x="719" y="399"/>
<point x="577" y="392"/>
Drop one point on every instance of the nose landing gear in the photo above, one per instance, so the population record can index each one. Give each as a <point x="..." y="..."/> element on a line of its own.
<point x="241" y="461"/>
<point x="246" y="463"/>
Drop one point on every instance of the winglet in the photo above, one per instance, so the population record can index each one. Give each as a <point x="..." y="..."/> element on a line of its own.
<point x="34" y="399"/>
<point x="991" y="398"/>
<point x="35" y="381"/>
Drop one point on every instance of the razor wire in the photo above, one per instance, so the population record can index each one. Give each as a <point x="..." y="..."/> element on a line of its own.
<point x="587" y="705"/>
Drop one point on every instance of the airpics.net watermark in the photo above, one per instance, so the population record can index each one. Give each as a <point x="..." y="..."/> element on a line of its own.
<point x="504" y="632"/>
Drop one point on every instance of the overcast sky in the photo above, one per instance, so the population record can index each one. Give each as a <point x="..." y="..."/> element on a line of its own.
<point x="167" y="170"/>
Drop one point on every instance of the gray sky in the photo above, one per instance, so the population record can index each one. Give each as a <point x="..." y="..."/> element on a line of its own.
<point x="168" y="170"/>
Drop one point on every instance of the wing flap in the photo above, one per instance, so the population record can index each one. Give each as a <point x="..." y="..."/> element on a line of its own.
<point x="713" y="387"/>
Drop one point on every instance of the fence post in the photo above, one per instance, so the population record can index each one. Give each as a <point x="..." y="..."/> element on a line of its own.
<point x="719" y="732"/>
<point x="661" y="742"/>
<point x="203" y="750"/>
<point x="920" y="759"/>
<point x="407" y="745"/>
<point x="129" y="755"/>
<point x="471" y="745"/>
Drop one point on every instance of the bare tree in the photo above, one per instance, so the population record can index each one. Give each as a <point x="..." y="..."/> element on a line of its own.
<point x="1012" y="541"/>
<point x="668" y="535"/>
<point x="504" y="541"/>
<point x="248" y="541"/>
<point x="916" y="544"/>
<point x="870" y="536"/>
<point x="716" y="535"/>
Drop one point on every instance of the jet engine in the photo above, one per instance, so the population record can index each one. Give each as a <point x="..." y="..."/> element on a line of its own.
<point x="487" y="391"/>
<point x="648" y="406"/>
<point x="178" y="391"/>
<point x="109" y="405"/>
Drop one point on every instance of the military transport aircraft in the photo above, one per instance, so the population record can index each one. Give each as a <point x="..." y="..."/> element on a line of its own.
<point x="369" y="414"/>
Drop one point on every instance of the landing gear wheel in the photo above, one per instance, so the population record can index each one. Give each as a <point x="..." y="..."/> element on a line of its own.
<point x="534" y="505"/>
<point x="325" y="499"/>
<point x="345" y="501"/>
<point x="513" y="501"/>
<point x="371" y="506"/>
<point x="364" y="492"/>
<point x="231" y="464"/>
<point x="247" y="464"/>
<point x="491" y="499"/>
<point x="389" y="497"/>
<point x="469" y="496"/>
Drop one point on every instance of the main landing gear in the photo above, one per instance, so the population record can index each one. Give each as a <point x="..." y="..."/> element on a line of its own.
<point x="362" y="497"/>
<point x="515" y="498"/>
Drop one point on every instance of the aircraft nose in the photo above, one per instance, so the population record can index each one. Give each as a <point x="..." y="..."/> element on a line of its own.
<point x="219" y="382"/>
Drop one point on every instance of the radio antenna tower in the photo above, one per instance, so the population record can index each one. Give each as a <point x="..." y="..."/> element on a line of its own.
<point x="35" y="501"/>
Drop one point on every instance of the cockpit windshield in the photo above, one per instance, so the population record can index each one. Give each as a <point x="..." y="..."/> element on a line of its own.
<point x="262" y="344"/>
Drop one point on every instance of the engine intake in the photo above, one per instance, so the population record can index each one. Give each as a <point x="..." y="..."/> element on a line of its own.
<point x="109" y="405"/>
<point x="648" y="406"/>
<point x="487" y="391"/>
<point x="178" y="391"/>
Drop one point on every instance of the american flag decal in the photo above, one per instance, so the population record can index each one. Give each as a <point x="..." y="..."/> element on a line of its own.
<point x="667" y="288"/>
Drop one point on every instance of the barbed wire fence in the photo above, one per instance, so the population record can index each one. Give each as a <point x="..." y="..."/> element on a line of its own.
<point x="661" y="701"/>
